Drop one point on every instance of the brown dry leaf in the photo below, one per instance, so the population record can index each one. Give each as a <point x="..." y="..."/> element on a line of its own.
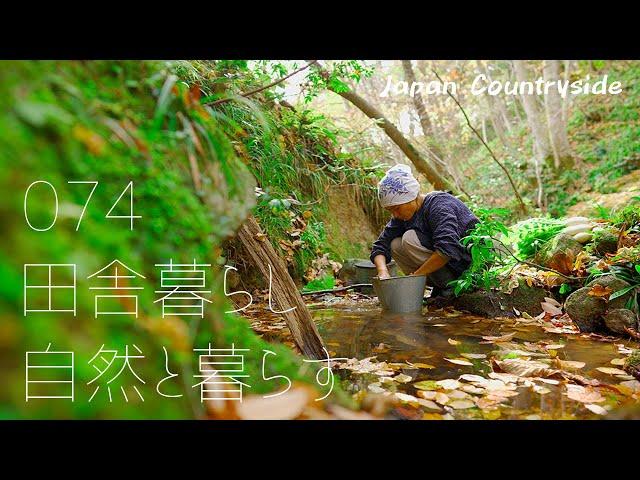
<point x="261" y="237"/>
<point x="448" y="384"/>
<point x="584" y="394"/>
<point x="441" y="398"/>
<point x="402" y="378"/>
<point x="502" y="338"/>
<point x="459" y="361"/>
<point x="461" y="404"/>
<point x="569" y="364"/>
<point x="286" y="406"/>
<point x="468" y="377"/>
<point x="523" y="368"/>
<point x="611" y="371"/>
<point x="425" y="366"/>
<point x="427" y="394"/>
<point x="598" y="290"/>
<point x="596" y="409"/>
<point x="473" y="355"/>
<point x="551" y="309"/>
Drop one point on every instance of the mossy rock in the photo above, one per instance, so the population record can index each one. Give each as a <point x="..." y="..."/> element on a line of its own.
<point x="559" y="253"/>
<point x="497" y="304"/>
<point x="632" y="364"/>
<point x="587" y="310"/>
<point x="605" y="242"/>
<point x="618" y="318"/>
<point x="615" y="284"/>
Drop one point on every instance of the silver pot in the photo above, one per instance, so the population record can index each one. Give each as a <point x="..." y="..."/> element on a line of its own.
<point x="401" y="294"/>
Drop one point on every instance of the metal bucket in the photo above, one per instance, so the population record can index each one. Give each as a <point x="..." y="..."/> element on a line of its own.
<point x="366" y="270"/>
<point x="401" y="294"/>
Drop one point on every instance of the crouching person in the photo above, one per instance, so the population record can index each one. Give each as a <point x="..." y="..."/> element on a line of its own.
<point x="423" y="237"/>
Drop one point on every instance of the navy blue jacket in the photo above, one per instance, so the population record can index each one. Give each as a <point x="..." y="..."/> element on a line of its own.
<point x="440" y="222"/>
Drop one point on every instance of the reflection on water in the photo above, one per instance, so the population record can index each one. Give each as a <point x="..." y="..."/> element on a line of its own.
<point x="427" y="339"/>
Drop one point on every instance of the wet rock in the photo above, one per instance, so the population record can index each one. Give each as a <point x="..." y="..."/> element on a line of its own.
<point x="585" y="310"/>
<point x="617" y="319"/>
<point x="614" y="284"/>
<point x="605" y="242"/>
<point x="632" y="364"/>
<point x="348" y="271"/>
<point x="559" y="253"/>
<point x="497" y="304"/>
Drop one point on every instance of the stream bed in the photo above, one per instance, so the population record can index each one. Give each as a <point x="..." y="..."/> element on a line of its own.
<point x="439" y="365"/>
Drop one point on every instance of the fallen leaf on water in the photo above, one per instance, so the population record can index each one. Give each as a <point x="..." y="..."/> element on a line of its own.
<point x="429" y="404"/>
<point x="523" y="368"/>
<point x="473" y="355"/>
<point x="375" y="388"/>
<point x="286" y="406"/>
<point x="461" y="404"/>
<point x="550" y="381"/>
<point x="633" y="385"/>
<point x="402" y="378"/>
<point x="420" y="365"/>
<point x="584" y="394"/>
<point x="453" y="342"/>
<point x="426" y="385"/>
<point x="541" y="390"/>
<point x="403" y="397"/>
<point x="505" y="377"/>
<point x="458" y="394"/>
<point x="611" y="371"/>
<point x="427" y="394"/>
<point x="596" y="409"/>
<point x="448" y="384"/>
<point x="502" y="338"/>
<point x="459" y="361"/>
<point x="472" y="389"/>
<point x="617" y="361"/>
<point x="441" y="398"/>
<point x="569" y="364"/>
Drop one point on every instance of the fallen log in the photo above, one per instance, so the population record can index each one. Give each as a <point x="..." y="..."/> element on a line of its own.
<point x="283" y="289"/>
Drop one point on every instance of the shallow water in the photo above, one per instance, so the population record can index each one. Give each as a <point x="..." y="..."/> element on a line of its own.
<point x="358" y="332"/>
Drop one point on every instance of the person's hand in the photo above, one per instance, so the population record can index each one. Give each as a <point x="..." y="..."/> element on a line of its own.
<point x="384" y="274"/>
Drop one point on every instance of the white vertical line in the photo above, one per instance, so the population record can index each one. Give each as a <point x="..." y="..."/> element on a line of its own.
<point x="50" y="290"/>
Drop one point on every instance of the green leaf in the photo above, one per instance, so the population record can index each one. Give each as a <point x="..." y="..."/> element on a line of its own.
<point x="620" y="293"/>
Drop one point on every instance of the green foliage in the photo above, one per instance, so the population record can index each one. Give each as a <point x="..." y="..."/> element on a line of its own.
<point x="629" y="215"/>
<point x="116" y="122"/>
<point x="486" y="261"/>
<point x="529" y="235"/>
<point x="326" y="282"/>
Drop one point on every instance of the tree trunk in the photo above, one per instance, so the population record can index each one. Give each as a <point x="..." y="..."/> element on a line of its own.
<point x="542" y="149"/>
<point x="566" y="102"/>
<point x="500" y="114"/>
<point x="421" y="164"/>
<point x="558" y="139"/>
<point x="284" y="292"/>
<point x="425" y="122"/>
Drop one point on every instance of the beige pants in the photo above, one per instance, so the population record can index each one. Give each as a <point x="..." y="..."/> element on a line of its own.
<point x="410" y="254"/>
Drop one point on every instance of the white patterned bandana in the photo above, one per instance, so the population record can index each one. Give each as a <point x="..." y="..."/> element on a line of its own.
<point x="398" y="186"/>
